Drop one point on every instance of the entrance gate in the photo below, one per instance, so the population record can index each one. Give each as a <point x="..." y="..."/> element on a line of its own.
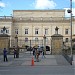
<point x="30" y="43"/>
<point x="58" y="57"/>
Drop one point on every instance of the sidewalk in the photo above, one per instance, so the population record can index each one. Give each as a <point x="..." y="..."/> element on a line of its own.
<point x="25" y="60"/>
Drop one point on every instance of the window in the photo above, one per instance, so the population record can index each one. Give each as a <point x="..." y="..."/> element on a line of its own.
<point x="66" y="40"/>
<point x="36" y="31"/>
<point x="16" y="31"/>
<point x="47" y="39"/>
<point x="26" y="39"/>
<point x="46" y="31"/>
<point x="36" y="39"/>
<point x="7" y="31"/>
<point x="26" y="31"/>
<point x="1" y="30"/>
<point x="66" y="31"/>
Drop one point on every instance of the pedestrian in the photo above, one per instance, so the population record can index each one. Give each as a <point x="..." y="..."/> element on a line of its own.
<point x="14" y="53"/>
<point x="17" y="52"/>
<point x="37" y="55"/>
<point x="33" y="51"/>
<point x="5" y="54"/>
<point x="43" y="54"/>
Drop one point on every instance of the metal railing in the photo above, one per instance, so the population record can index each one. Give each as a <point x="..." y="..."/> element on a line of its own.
<point x="23" y="43"/>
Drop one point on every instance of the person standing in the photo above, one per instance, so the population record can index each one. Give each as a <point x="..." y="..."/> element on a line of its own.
<point x="43" y="54"/>
<point x="5" y="54"/>
<point x="14" y="53"/>
<point x="33" y="51"/>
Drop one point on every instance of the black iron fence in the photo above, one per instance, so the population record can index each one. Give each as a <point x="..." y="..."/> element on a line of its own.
<point x="23" y="43"/>
<point x="66" y="52"/>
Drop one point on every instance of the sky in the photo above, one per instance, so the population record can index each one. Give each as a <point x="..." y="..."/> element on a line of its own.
<point x="7" y="6"/>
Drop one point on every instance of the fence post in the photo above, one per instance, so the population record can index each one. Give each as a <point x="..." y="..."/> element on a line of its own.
<point x="30" y="46"/>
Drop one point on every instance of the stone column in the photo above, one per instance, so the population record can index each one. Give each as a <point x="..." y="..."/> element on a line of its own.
<point x="57" y="42"/>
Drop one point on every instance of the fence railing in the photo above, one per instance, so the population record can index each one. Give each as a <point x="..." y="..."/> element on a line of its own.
<point x="67" y="54"/>
<point x="23" y="43"/>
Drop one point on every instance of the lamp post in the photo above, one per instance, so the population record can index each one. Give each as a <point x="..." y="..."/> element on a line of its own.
<point x="30" y="46"/>
<point x="17" y="48"/>
<point x="70" y="11"/>
<point x="44" y="44"/>
<point x="16" y="41"/>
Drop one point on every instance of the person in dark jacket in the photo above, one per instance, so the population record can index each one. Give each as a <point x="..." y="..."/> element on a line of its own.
<point x="5" y="54"/>
<point x="14" y="53"/>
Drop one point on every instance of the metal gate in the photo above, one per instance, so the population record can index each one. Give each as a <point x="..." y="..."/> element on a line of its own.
<point x="30" y="43"/>
<point x="23" y="43"/>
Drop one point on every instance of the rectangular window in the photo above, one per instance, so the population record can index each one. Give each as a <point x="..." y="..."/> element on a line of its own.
<point x="36" y="31"/>
<point x="7" y="31"/>
<point x="1" y="31"/>
<point x="46" y="31"/>
<point x="66" y="31"/>
<point x="66" y="40"/>
<point x="36" y="39"/>
<point x="26" y="31"/>
<point x="16" y="31"/>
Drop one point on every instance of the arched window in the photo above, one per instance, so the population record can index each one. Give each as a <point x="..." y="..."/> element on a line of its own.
<point x="66" y="40"/>
<point x="26" y="39"/>
<point x="36" y="39"/>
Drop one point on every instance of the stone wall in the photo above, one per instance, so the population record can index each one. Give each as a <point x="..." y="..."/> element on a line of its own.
<point x="38" y="13"/>
<point x="57" y="44"/>
<point x="4" y="43"/>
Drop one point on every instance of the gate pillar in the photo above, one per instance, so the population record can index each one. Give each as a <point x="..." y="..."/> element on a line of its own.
<point x="4" y="42"/>
<point x="57" y="42"/>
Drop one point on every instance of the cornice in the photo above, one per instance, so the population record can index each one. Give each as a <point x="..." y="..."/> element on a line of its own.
<point x="43" y="20"/>
<point x="29" y="21"/>
<point x="5" y="20"/>
<point x="54" y="10"/>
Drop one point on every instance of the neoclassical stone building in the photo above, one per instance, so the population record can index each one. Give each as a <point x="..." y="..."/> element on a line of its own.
<point x="34" y="24"/>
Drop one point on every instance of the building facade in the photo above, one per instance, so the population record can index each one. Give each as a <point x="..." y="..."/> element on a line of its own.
<point x="30" y="26"/>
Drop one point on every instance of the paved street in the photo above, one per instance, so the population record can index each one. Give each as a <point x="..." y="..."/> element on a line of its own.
<point x="25" y="59"/>
<point x="37" y="70"/>
<point x="51" y="65"/>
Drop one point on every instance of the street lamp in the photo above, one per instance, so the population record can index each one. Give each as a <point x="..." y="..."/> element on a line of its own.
<point x="17" y="48"/>
<point x="44" y="44"/>
<point x="16" y="41"/>
<point x="30" y="46"/>
<point x="70" y="11"/>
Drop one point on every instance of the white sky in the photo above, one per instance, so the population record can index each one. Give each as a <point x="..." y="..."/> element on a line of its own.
<point x="44" y="4"/>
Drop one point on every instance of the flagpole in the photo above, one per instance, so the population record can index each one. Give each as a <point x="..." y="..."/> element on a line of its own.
<point x="70" y="11"/>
